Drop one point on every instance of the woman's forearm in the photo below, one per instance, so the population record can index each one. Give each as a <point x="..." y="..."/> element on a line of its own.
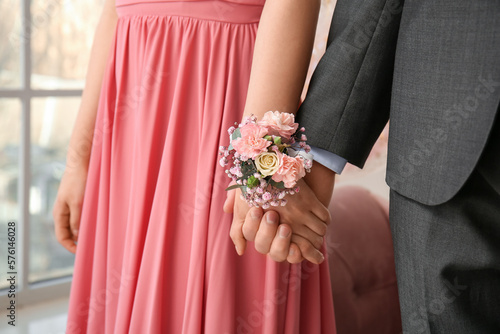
<point x="81" y="138"/>
<point x="283" y="47"/>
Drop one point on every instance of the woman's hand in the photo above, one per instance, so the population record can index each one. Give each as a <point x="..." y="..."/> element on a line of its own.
<point x="304" y="214"/>
<point x="293" y="232"/>
<point x="68" y="207"/>
<point x="281" y="58"/>
<point x="68" y="204"/>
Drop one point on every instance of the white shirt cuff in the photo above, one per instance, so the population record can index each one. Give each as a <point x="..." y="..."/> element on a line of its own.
<point x="328" y="159"/>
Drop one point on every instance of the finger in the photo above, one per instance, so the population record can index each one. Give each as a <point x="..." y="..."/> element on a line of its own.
<point x="252" y="223"/>
<point x="65" y="238"/>
<point x="316" y="220"/>
<point x="74" y="219"/>
<point x="294" y="255"/>
<point x="304" y="231"/>
<point x="315" y="206"/>
<point x="308" y="213"/>
<point x="309" y="252"/>
<point x="62" y="227"/>
<point x="322" y="212"/>
<point x="267" y="231"/>
<point x="229" y="203"/>
<point x="236" y="232"/>
<point x="281" y="243"/>
<point x="236" y="235"/>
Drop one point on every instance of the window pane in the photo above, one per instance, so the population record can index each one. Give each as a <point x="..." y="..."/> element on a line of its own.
<point x="10" y="44"/>
<point x="10" y="134"/>
<point x="62" y="34"/>
<point x="52" y="121"/>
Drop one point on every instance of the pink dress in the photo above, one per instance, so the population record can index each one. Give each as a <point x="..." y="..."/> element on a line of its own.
<point x="154" y="253"/>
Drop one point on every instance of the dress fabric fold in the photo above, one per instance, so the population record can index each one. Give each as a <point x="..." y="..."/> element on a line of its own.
<point x="154" y="253"/>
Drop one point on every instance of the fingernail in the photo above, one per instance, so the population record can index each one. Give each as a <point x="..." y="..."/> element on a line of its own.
<point x="75" y="232"/>
<point x="291" y="252"/>
<point x="255" y="214"/>
<point x="237" y="250"/>
<point x="284" y="232"/>
<point x="270" y="219"/>
<point x="322" y="257"/>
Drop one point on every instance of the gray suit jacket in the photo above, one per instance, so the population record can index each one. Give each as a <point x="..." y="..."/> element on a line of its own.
<point x="433" y="66"/>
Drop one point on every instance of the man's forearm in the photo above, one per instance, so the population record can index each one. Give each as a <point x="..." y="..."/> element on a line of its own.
<point x="328" y="159"/>
<point x="321" y="180"/>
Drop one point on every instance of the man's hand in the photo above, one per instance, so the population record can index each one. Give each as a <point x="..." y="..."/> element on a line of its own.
<point x="304" y="215"/>
<point x="271" y="232"/>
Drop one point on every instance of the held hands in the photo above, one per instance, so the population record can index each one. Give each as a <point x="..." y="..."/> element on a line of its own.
<point x="291" y="233"/>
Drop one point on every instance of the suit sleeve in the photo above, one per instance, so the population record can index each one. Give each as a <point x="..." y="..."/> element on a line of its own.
<point x="348" y="101"/>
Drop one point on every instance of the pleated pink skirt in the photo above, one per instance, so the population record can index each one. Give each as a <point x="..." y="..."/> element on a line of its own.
<point x="154" y="253"/>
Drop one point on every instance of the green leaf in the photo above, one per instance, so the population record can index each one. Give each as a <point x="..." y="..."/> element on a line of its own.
<point x="236" y="134"/>
<point x="234" y="186"/>
<point x="248" y="168"/>
<point x="277" y="140"/>
<point x="252" y="182"/>
<point x="279" y="185"/>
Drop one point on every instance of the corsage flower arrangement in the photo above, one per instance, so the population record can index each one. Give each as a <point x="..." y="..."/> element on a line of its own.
<point x="268" y="158"/>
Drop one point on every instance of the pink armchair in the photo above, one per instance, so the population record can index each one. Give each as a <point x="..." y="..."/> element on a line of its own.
<point x="361" y="260"/>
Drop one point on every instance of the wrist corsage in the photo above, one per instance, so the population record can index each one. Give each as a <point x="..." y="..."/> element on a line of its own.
<point x="266" y="158"/>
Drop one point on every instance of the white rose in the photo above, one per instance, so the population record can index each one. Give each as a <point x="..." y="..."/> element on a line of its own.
<point x="268" y="163"/>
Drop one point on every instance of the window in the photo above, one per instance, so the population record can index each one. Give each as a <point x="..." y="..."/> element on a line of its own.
<point x="44" y="49"/>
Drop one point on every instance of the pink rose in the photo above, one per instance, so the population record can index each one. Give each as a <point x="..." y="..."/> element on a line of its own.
<point x="282" y="124"/>
<point x="253" y="130"/>
<point x="251" y="143"/>
<point x="291" y="170"/>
